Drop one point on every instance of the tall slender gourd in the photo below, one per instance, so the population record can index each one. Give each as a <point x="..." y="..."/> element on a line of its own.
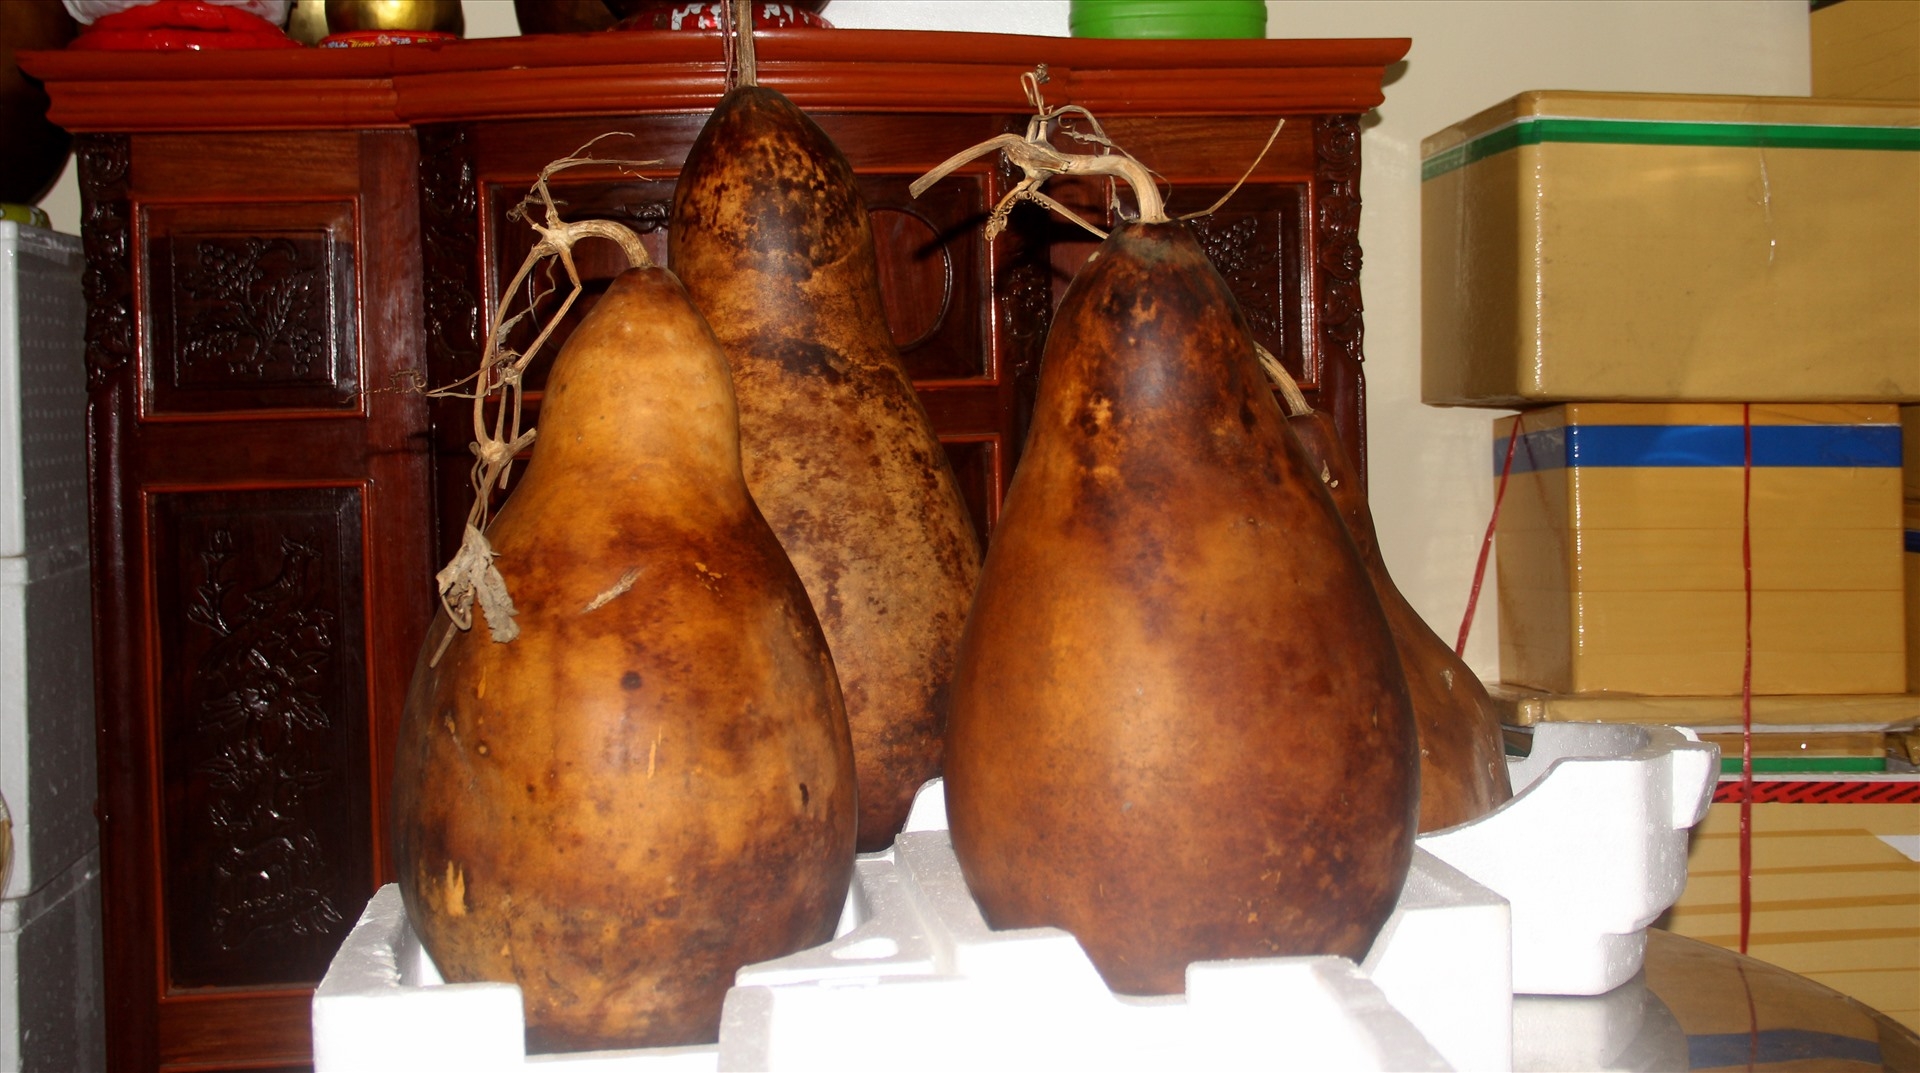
<point x="1463" y="763"/>
<point x="1179" y="730"/>
<point x="771" y="236"/>
<point x="652" y="784"/>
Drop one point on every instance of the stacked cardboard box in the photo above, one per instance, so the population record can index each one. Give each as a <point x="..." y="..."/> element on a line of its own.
<point x="1704" y="308"/>
<point x="1834" y="889"/>
<point x="1623" y="556"/>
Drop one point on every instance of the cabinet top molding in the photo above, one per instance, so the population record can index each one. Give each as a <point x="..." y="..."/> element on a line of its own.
<point x="628" y="73"/>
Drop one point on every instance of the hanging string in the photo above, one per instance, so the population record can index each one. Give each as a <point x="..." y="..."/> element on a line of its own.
<point x="1746" y="679"/>
<point x="1486" y="542"/>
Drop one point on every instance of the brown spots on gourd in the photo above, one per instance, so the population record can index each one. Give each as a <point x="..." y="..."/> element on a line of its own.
<point x="630" y="681"/>
<point x="1096" y="416"/>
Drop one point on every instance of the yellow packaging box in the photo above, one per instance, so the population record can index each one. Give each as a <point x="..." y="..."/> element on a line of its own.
<point x="1881" y="713"/>
<point x="1651" y="247"/>
<point x="1910" y="449"/>
<point x="1835" y="889"/>
<point x="1620" y="562"/>
<point x="1912" y="543"/>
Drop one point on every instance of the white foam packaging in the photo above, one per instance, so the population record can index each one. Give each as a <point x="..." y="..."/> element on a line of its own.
<point x="1590" y="850"/>
<point x="916" y="979"/>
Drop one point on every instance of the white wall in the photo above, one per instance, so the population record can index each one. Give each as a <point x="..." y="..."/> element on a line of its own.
<point x="1430" y="485"/>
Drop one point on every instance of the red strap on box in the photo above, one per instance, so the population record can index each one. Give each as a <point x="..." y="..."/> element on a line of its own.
<point x="1486" y="542"/>
<point x="1746" y="679"/>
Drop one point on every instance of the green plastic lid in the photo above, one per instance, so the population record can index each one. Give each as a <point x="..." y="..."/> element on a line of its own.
<point x="1168" y="18"/>
<point x="31" y="215"/>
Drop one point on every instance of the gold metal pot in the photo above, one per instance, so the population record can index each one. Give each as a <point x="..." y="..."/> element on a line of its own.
<point x="346" y="16"/>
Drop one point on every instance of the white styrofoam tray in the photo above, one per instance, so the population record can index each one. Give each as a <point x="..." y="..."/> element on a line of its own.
<point x="1590" y="850"/>
<point x="916" y="979"/>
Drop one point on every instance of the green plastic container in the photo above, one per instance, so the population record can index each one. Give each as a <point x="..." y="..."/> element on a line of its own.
<point x="31" y="215"/>
<point x="1167" y="18"/>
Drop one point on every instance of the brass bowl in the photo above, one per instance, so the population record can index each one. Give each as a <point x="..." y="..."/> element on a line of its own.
<point x="353" y="16"/>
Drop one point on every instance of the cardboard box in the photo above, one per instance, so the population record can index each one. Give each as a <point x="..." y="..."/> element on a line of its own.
<point x="1911" y="542"/>
<point x="1620" y="550"/>
<point x="1648" y="247"/>
<point x="1877" y="712"/>
<point x="1835" y="892"/>
<point x="1910" y="453"/>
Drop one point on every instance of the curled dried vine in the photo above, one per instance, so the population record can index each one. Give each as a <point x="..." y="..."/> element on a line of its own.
<point x="500" y="436"/>
<point x="1039" y="161"/>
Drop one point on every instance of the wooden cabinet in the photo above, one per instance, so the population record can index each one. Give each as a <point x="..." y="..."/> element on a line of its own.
<point x="285" y="248"/>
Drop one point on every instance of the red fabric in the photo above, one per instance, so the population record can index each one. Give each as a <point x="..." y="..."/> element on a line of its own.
<point x="181" y="25"/>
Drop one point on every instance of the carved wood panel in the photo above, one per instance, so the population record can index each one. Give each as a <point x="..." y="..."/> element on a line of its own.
<point x="103" y="161"/>
<point x="249" y="307"/>
<point x="258" y="597"/>
<point x="1337" y="319"/>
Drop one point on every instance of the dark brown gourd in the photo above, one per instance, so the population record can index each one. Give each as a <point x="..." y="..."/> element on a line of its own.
<point x="771" y="237"/>
<point x="1180" y="730"/>
<point x="652" y="785"/>
<point x="1463" y="764"/>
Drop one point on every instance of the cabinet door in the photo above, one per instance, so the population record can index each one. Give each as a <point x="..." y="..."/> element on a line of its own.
<point x="262" y="567"/>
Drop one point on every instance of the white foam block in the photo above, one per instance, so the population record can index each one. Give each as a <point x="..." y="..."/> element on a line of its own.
<point x="1594" y="842"/>
<point x="956" y="994"/>
<point x="1590" y="850"/>
<point x="1445" y="960"/>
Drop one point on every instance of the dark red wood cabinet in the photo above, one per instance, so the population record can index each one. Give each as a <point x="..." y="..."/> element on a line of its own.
<point x="284" y="248"/>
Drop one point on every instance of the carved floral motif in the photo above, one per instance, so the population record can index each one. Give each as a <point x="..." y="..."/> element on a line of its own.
<point x="449" y="203"/>
<point x="258" y="307"/>
<point x="1336" y="141"/>
<point x="105" y="229"/>
<point x="1250" y="262"/>
<point x="258" y="708"/>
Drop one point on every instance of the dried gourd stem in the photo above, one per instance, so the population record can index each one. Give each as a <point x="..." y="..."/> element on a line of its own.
<point x="1289" y="387"/>
<point x="1244" y="176"/>
<point x="470" y="577"/>
<point x="743" y="67"/>
<point x="1039" y="161"/>
<point x="1037" y="158"/>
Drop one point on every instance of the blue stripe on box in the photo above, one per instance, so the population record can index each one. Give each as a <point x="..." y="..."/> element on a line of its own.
<point x="1847" y="446"/>
<point x="1765" y="1047"/>
<point x="1913" y="540"/>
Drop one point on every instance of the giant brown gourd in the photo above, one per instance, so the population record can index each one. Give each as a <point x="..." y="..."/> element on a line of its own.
<point x="652" y="785"/>
<point x="1463" y="764"/>
<point x="1179" y="730"/>
<point x="770" y="235"/>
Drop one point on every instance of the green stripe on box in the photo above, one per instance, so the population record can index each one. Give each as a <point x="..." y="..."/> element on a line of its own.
<point x="1777" y="765"/>
<point x="1535" y="131"/>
